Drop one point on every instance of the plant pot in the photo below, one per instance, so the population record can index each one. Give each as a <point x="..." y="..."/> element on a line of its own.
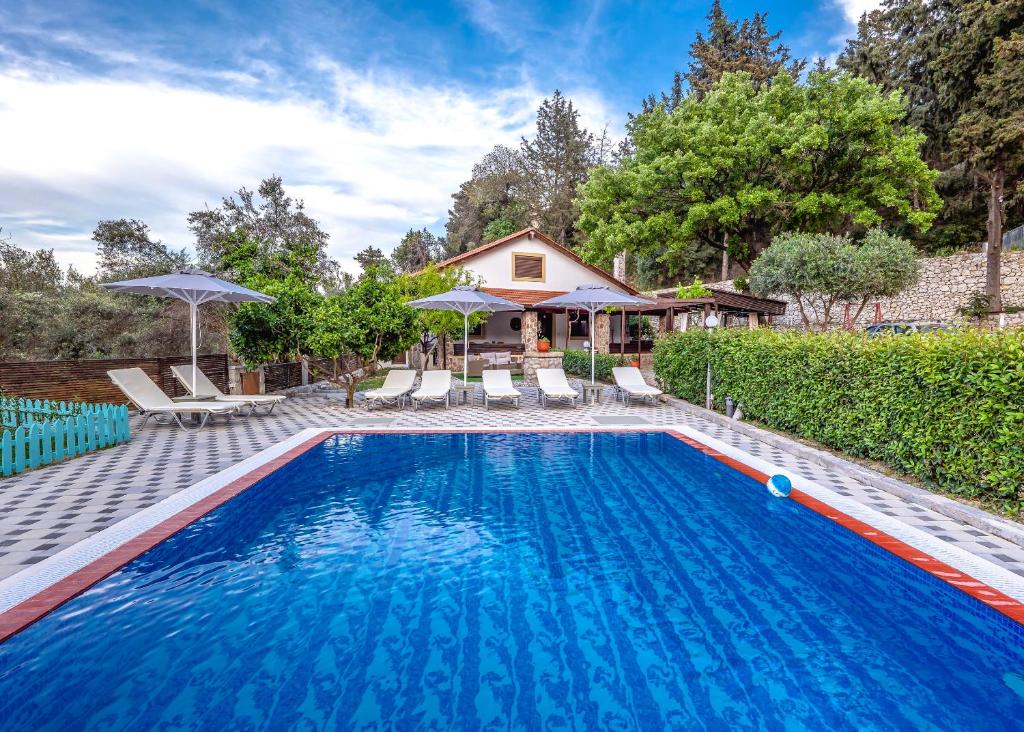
<point x="635" y="363"/>
<point x="543" y="346"/>
<point x="250" y="382"/>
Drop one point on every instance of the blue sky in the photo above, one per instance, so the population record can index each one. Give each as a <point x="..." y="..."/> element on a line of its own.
<point x="372" y="112"/>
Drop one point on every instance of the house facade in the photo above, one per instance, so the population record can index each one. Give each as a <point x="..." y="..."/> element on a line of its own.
<point x="528" y="267"/>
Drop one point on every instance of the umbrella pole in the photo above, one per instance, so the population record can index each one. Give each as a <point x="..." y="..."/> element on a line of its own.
<point x="465" y="346"/>
<point x="593" y="343"/>
<point x="195" y="389"/>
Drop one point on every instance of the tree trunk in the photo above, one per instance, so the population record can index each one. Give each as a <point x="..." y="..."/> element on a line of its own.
<point x="995" y="241"/>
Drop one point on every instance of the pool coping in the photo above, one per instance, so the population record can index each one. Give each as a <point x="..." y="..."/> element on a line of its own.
<point x="33" y="593"/>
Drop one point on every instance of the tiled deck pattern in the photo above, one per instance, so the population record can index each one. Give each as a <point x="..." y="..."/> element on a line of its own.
<point x="44" y="511"/>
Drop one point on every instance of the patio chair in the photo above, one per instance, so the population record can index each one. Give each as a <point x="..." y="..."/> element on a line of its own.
<point x="207" y="389"/>
<point x="397" y="385"/>
<point x="498" y="388"/>
<point x="555" y="387"/>
<point x="152" y="402"/>
<point x="630" y="384"/>
<point x="435" y="386"/>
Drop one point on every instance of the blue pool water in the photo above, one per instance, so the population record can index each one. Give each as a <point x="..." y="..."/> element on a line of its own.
<point x="522" y="581"/>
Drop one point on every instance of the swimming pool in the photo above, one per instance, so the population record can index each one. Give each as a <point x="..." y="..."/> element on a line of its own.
<point x="514" y="581"/>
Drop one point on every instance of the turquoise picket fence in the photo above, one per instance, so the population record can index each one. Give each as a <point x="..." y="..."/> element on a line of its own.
<point x="36" y="433"/>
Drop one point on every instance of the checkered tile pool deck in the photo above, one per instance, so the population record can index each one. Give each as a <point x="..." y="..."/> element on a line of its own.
<point x="47" y="510"/>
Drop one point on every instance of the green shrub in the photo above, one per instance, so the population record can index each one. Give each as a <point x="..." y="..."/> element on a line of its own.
<point x="947" y="407"/>
<point x="578" y="363"/>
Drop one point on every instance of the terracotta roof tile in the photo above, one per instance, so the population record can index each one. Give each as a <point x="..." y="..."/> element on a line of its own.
<point x="526" y="298"/>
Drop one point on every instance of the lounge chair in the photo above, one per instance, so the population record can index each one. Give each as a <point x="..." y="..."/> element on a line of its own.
<point x="498" y="388"/>
<point x="435" y="386"/>
<point x="555" y="387"/>
<point x="630" y="384"/>
<point x="152" y="402"/>
<point x="207" y="389"/>
<point x="397" y="385"/>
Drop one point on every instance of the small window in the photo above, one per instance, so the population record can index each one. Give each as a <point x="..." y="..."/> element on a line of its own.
<point x="528" y="267"/>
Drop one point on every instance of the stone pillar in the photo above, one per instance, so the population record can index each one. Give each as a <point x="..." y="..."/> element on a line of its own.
<point x="602" y="333"/>
<point x="752" y="320"/>
<point x="529" y="331"/>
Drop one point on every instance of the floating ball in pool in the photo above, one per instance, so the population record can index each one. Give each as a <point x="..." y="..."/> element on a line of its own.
<point x="780" y="486"/>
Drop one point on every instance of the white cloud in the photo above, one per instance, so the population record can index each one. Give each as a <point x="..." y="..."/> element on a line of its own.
<point x="853" y="9"/>
<point x="384" y="155"/>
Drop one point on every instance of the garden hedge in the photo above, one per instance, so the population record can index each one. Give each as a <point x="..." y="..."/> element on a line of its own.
<point x="947" y="407"/>
<point x="578" y="363"/>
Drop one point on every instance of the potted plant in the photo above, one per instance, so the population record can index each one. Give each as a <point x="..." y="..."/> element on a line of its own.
<point x="635" y="362"/>
<point x="543" y="344"/>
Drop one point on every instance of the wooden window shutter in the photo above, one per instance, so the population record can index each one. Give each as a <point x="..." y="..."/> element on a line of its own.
<point x="528" y="267"/>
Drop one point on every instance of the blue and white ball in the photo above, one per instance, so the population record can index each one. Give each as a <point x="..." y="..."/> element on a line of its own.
<point x="780" y="486"/>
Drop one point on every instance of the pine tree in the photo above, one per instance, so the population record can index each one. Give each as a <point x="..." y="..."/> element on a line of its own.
<point x="555" y="163"/>
<point x="417" y="249"/>
<point x="730" y="45"/>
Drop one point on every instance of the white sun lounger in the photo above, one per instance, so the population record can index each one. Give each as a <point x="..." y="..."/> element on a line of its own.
<point x="152" y="402"/>
<point x="630" y="384"/>
<point x="498" y="388"/>
<point x="208" y="389"/>
<point x="435" y="386"/>
<point x="397" y="385"/>
<point x="555" y="387"/>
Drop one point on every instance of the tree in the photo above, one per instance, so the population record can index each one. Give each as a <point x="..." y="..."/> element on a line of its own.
<point x="496" y="191"/>
<point x="820" y="271"/>
<point x="417" y="249"/>
<point x="989" y="137"/>
<point x="940" y="53"/>
<point x="271" y="220"/>
<point x="435" y="324"/>
<point x="363" y="325"/>
<point x="263" y="333"/>
<point x="741" y="165"/>
<point x="555" y="164"/>
<point x="730" y="46"/>
<point x="126" y="251"/>
<point x="370" y="257"/>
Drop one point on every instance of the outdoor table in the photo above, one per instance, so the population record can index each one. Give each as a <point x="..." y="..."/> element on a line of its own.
<point x="592" y="393"/>
<point x="463" y="392"/>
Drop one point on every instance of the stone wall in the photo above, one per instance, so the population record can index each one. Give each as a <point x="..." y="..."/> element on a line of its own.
<point x="533" y="360"/>
<point x="945" y="286"/>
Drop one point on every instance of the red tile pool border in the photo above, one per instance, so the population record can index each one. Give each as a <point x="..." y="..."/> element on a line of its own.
<point x="990" y="596"/>
<point x="46" y="601"/>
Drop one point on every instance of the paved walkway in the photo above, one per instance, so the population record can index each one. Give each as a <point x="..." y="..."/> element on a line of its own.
<point x="44" y="511"/>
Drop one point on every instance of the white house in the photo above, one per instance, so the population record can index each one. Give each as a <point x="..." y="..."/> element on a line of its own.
<point x="528" y="267"/>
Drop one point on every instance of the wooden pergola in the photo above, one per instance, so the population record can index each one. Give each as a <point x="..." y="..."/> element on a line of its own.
<point x="723" y="304"/>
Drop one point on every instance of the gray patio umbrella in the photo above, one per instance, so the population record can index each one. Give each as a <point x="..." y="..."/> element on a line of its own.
<point x="194" y="287"/>
<point x="593" y="298"/>
<point x="465" y="300"/>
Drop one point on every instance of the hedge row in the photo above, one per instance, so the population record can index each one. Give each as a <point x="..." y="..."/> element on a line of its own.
<point x="578" y="363"/>
<point x="947" y="407"/>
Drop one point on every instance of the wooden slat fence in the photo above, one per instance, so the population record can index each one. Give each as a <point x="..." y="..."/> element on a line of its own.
<point x="87" y="380"/>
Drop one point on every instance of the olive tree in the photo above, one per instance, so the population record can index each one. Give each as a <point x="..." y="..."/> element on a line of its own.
<point x="820" y="271"/>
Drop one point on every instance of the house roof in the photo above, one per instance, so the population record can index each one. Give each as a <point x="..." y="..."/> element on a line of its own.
<point x="526" y="298"/>
<point x="460" y="258"/>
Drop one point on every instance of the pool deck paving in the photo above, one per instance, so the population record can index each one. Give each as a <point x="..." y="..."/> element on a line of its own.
<point x="47" y="510"/>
